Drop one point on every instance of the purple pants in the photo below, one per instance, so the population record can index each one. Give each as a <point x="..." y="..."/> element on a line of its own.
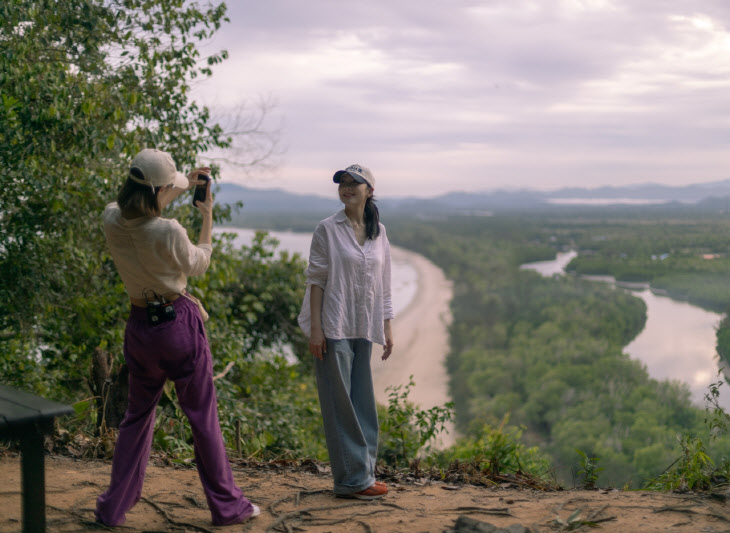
<point x="177" y="350"/>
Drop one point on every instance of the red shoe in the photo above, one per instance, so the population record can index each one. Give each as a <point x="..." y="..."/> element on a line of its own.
<point x="371" y="493"/>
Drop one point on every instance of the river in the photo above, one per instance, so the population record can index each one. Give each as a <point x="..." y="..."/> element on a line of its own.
<point x="678" y="340"/>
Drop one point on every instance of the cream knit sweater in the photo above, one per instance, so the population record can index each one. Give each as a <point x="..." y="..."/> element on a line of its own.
<point x="153" y="253"/>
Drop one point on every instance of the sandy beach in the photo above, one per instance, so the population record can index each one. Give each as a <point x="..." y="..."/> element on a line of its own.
<point x="420" y="334"/>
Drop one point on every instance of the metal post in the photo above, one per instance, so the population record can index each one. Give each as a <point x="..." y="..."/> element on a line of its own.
<point x="33" y="482"/>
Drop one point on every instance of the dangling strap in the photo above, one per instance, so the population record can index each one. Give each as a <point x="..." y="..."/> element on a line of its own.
<point x="203" y="312"/>
<point x="141" y="182"/>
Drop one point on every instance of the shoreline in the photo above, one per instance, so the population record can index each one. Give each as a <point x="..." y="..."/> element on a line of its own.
<point x="421" y="341"/>
<point x="678" y="339"/>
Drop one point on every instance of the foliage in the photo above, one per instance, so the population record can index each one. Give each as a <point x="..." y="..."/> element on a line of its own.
<point x="687" y="257"/>
<point x="589" y="469"/>
<point x="547" y="352"/>
<point x="84" y="85"/>
<point x="695" y="468"/>
<point x="692" y="471"/>
<point x="275" y="406"/>
<point x="257" y="291"/>
<point x="405" y="429"/>
<point x="501" y="448"/>
<point x="716" y="418"/>
<point x="722" y="344"/>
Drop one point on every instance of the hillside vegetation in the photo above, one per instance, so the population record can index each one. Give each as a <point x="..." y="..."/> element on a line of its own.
<point x="545" y="355"/>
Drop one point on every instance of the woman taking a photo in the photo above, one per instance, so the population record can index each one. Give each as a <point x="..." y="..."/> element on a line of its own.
<point x="165" y="337"/>
<point x="346" y="308"/>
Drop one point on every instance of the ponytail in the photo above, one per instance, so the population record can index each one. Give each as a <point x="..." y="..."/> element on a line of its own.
<point x="372" y="219"/>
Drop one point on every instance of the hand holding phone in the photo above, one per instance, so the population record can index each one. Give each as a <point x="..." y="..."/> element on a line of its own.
<point x="201" y="190"/>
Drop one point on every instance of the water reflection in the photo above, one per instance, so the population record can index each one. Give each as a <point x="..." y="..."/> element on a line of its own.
<point x="678" y="340"/>
<point x="552" y="267"/>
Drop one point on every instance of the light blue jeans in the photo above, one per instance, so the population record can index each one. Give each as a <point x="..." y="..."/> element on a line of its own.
<point x="349" y="413"/>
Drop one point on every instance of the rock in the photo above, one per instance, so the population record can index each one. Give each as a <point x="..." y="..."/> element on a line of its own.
<point x="466" y="524"/>
<point x="515" y="528"/>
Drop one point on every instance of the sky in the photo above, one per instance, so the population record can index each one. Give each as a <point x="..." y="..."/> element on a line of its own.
<point x="437" y="96"/>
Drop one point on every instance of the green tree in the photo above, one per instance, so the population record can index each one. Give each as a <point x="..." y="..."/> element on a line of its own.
<point x="84" y="84"/>
<point x="547" y="352"/>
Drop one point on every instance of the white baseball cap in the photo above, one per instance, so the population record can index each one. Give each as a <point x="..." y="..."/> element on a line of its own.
<point x="158" y="169"/>
<point x="359" y="173"/>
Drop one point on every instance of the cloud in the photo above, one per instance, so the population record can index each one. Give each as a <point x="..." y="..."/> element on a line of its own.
<point x="481" y="94"/>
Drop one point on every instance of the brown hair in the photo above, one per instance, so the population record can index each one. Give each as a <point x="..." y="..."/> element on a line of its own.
<point x="137" y="199"/>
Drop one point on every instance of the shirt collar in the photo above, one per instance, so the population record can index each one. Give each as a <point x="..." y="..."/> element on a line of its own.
<point x="340" y="216"/>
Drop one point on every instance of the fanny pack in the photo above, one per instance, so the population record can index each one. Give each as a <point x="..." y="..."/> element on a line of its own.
<point x="159" y="311"/>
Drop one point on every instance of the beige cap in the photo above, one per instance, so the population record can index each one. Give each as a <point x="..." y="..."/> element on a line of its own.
<point x="158" y="170"/>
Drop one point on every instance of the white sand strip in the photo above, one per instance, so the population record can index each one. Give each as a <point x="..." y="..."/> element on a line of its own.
<point x="420" y="335"/>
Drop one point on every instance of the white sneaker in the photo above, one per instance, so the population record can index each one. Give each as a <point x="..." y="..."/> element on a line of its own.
<point x="256" y="510"/>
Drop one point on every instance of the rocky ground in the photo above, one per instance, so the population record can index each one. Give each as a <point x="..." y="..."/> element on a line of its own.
<point x="300" y="499"/>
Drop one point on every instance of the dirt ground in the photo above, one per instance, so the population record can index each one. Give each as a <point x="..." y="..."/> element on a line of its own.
<point x="300" y="500"/>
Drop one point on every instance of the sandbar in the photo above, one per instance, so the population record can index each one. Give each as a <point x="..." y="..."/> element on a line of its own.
<point x="421" y="341"/>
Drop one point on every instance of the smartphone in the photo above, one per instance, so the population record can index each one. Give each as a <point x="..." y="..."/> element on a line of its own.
<point x="201" y="190"/>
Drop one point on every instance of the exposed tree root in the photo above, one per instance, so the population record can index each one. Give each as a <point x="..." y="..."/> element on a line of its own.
<point x="172" y="520"/>
<point x="689" y="510"/>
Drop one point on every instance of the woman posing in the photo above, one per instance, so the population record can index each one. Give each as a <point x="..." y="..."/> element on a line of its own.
<point x="165" y="337"/>
<point x="346" y="308"/>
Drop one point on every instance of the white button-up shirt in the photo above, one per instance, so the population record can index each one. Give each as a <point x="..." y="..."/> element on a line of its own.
<point x="355" y="279"/>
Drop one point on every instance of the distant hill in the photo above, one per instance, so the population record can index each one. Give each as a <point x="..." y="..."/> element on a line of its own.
<point x="650" y="191"/>
<point x="267" y="200"/>
<point x="701" y="195"/>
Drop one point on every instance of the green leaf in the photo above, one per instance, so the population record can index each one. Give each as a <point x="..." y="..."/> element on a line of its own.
<point x="81" y="407"/>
